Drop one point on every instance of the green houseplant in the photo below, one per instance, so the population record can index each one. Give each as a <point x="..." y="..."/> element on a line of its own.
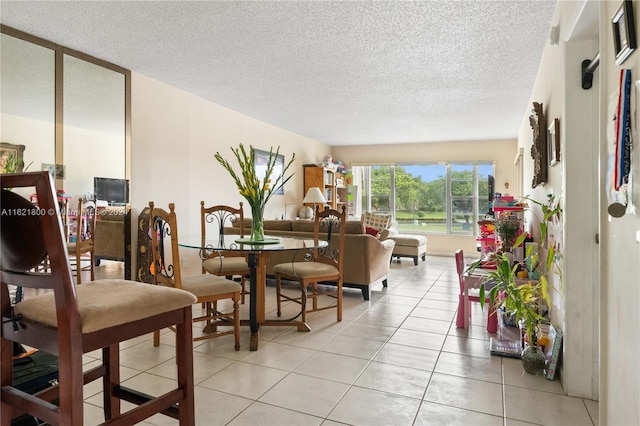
<point x="521" y="298"/>
<point x="524" y="298"/>
<point x="507" y="229"/>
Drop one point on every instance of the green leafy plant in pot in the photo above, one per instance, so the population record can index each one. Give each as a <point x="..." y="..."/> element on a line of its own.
<point x="521" y="298"/>
<point x="524" y="298"/>
<point x="507" y="229"/>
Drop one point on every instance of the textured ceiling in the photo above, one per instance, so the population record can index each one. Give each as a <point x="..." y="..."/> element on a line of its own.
<point x="344" y="73"/>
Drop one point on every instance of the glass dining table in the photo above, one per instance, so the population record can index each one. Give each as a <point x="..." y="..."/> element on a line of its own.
<point x="257" y="256"/>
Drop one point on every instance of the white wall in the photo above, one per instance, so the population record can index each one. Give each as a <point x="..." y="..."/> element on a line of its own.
<point x="620" y="320"/>
<point x="503" y="152"/>
<point x="37" y="136"/>
<point x="175" y="135"/>
<point x="89" y="153"/>
<point x="597" y="303"/>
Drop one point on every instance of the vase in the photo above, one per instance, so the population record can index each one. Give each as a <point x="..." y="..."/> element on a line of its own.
<point x="257" y="225"/>
<point x="533" y="360"/>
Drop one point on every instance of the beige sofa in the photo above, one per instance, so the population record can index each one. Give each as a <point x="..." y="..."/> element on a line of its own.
<point x="366" y="259"/>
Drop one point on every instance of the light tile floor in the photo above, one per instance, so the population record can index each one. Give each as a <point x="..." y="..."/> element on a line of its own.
<point x="397" y="359"/>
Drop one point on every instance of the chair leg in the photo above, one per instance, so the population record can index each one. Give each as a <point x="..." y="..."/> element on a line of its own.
<point x="315" y="296"/>
<point x="339" y="307"/>
<point x="111" y="361"/>
<point x="184" y="359"/>
<point x="461" y="312"/>
<point x="156" y="338"/>
<point x="78" y="268"/>
<point x="93" y="272"/>
<point x="278" y="291"/>
<point x="236" y="320"/>
<point x="492" y="320"/>
<point x="303" y="301"/>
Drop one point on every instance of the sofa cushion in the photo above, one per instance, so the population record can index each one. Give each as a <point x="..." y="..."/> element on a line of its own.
<point x="354" y="227"/>
<point x="302" y="225"/>
<point x="277" y="225"/>
<point x="274" y="225"/>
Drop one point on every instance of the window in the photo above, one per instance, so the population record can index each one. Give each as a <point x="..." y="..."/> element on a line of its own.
<point x="446" y="198"/>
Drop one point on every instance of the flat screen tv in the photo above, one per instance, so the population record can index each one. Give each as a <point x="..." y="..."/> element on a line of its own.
<point x="113" y="191"/>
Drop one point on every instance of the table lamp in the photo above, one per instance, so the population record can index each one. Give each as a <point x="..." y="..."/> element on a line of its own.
<point x="314" y="196"/>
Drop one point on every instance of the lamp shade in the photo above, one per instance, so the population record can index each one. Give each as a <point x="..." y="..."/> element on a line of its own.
<point x="314" y="195"/>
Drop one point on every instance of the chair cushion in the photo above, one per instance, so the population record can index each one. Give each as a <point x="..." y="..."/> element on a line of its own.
<point x="221" y="265"/>
<point x="305" y="269"/>
<point x="107" y="303"/>
<point x="203" y="285"/>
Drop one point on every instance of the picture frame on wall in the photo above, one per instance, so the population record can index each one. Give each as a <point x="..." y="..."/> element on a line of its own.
<point x="624" y="32"/>
<point x="260" y="160"/>
<point x="11" y="158"/>
<point x="553" y="140"/>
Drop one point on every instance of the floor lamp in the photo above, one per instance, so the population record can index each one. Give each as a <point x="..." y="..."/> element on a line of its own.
<point x="314" y="196"/>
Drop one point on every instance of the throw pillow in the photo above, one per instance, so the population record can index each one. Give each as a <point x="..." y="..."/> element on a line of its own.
<point x="378" y="221"/>
<point x="371" y="231"/>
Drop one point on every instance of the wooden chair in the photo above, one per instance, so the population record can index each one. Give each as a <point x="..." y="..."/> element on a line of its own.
<point x="83" y="246"/>
<point x="231" y="264"/>
<point x="324" y="265"/>
<point x="69" y="321"/>
<point x="468" y="294"/>
<point x="207" y="288"/>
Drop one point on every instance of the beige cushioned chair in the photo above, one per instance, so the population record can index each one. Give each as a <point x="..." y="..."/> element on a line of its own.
<point x="69" y="321"/>
<point x="325" y="265"/>
<point x="231" y="264"/>
<point x="208" y="289"/>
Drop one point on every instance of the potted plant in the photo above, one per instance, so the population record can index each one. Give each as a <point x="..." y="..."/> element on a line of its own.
<point x="507" y="229"/>
<point x="523" y="299"/>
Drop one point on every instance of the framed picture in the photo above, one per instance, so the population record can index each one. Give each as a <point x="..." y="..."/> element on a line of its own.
<point x="11" y="158"/>
<point x="260" y="160"/>
<point x="553" y="141"/>
<point x="624" y="32"/>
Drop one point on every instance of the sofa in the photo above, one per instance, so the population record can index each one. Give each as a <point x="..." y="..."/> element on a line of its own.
<point x="366" y="259"/>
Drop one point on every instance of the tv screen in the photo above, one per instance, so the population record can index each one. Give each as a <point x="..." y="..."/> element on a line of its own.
<point x="113" y="191"/>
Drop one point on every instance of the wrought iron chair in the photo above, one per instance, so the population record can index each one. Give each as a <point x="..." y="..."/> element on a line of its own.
<point x="230" y="264"/>
<point x="324" y="265"/>
<point x="208" y="289"/>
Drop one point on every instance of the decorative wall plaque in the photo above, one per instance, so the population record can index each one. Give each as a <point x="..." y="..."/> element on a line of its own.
<point x="539" y="148"/>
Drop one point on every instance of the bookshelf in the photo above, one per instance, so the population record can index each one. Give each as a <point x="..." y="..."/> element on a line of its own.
<point x="327" y="180"/>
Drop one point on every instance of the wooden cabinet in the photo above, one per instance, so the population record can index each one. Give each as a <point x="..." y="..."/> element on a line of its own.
<point x="327" y="180"/>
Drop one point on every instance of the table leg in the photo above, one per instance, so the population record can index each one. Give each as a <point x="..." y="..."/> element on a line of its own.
<point x="257" y="282"/>
<point x="258" y="285"/>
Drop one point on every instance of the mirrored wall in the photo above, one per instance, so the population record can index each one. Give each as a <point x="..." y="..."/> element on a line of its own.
<point x="66" y="112"/>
